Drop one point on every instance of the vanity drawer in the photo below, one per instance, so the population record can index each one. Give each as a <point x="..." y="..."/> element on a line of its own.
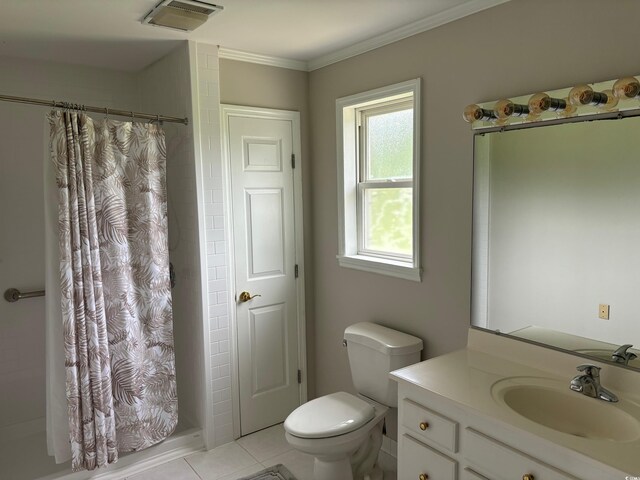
<point x="501" y="462"/>
<point x="418" y="459"/>
<point x="468" y="474"/>
<point x="430" y="425"/>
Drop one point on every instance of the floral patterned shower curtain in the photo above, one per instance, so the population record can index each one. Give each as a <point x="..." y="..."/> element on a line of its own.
<point x="114" y="274"/>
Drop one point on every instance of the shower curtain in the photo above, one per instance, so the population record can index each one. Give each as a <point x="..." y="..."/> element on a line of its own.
<point x="115" y="297"/>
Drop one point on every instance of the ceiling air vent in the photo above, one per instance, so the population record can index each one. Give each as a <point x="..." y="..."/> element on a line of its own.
<point x="183" y="15"/>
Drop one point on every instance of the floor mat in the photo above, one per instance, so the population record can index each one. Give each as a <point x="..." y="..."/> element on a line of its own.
<point x="277" y="472"/>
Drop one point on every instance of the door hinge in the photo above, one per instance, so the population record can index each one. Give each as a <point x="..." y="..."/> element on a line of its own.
<point x="296" y="271"/>
<point x="293" y="160"/>
<point x="299" y="376"/>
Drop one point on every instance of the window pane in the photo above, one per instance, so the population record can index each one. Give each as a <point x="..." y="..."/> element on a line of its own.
<point x="390" y="145"/>
<point x="388" y="220"/>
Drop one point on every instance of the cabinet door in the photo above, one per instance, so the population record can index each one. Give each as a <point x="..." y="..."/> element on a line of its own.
<point x="501" y="462"/>
<point x="418" y="459"/>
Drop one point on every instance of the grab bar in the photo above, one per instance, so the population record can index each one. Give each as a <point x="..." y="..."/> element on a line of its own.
<point x="13" y="294"/>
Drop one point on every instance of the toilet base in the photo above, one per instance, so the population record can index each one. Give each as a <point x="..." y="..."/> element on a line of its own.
<point x="364" y="462"/>
<point x="359" y="465"/>
<point x="332" y="469"/>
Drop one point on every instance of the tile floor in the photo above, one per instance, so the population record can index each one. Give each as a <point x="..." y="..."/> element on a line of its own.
<point x="243" y="457"/>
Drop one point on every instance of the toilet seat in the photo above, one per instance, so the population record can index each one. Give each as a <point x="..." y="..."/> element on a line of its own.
<point x="329" y="416"/>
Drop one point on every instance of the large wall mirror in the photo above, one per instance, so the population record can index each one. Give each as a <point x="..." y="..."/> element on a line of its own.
<point x="557" y="234"/>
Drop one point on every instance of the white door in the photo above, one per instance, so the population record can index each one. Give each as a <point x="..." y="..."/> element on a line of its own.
<point x="261" y="150"/>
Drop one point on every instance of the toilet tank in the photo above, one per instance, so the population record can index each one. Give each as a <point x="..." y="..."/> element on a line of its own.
<point x="374" y="351"/>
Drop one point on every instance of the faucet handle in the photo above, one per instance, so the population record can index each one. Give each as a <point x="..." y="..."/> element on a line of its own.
<point x="588" y="369"/>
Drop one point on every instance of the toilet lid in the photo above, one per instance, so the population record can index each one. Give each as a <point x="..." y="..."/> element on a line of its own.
<point x="329" y="416"/>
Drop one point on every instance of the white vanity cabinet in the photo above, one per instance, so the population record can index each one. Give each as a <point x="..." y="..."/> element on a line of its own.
<point x="440" y="439"/>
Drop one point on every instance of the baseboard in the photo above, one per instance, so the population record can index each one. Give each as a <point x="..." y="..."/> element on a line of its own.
<point x="22" y="429"/>
<point x="184" y="443"/>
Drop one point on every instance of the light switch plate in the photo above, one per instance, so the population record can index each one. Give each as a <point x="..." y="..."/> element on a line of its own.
<point x="604" y="311"/>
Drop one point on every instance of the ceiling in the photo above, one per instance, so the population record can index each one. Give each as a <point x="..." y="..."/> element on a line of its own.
<point x="307" y="33"/>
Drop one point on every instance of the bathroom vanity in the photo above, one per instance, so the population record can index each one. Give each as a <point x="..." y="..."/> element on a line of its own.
<point x="502" y="410"/>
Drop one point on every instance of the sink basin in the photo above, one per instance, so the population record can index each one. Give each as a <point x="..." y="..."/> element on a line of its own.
<point x="550" y="403"/>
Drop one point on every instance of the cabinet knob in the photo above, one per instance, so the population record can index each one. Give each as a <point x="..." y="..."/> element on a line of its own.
<point x="423" y="476"/>
<point x="424" y="426"/>
<point x="527" y="476"/>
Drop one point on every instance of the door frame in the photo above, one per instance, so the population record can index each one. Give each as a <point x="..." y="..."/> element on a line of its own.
<point x="227" y="111"/>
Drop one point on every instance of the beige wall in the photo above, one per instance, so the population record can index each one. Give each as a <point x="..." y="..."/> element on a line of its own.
<point x="280" y="88"/>
<point x="520" y="47"/>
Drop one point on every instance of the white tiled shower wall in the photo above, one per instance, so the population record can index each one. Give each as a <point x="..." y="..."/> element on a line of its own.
<point x="215" y="236"/>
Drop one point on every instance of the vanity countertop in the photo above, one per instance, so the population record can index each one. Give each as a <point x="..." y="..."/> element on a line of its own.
<point x="467" y="376"/>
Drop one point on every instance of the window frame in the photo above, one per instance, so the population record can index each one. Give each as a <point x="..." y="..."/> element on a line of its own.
<point x="352" y="181"/>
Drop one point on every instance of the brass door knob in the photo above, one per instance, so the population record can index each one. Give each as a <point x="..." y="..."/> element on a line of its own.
<point x="527" y="476"/>
<point x="423" y="476"/>
<point x="246" y="296"/>
<point x="424" y="426"/>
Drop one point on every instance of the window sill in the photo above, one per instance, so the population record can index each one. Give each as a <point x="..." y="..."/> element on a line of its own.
<point x="382" y="266"/>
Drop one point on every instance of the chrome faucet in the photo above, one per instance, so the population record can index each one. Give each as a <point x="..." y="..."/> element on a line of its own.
<point x="589" y="384"/>
<point x="622" y="356"/>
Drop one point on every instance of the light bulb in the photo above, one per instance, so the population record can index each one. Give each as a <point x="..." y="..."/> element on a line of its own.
<point x="581" y="95"/>
<point x="541" y="102"/>
<point x="611" y="103"/>
<point x="628" y="87"/>
<point x="473" y="113"/>
<point x="584" y="95"/>
<point x="506" y="108"/>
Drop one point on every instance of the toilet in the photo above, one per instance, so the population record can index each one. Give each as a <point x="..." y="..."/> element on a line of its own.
<point x="344" y="431"/>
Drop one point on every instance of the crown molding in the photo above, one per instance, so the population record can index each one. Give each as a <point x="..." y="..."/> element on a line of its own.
<point x="241" y="56"/>
<point x="428" y="23"/>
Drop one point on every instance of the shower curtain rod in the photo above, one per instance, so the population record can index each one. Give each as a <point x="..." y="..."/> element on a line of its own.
<point x="106" y="111"/>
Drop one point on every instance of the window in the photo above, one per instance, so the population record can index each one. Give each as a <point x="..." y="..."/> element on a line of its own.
<point x="378" y="152"/>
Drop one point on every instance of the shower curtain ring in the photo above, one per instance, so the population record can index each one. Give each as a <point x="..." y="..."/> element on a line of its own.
<point x="106" y="113"/>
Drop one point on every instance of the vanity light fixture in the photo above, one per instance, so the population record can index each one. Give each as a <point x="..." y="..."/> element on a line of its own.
<point x="474" y="113"/>
<point x="599" y="98"/>
<point x="627" y="87"/>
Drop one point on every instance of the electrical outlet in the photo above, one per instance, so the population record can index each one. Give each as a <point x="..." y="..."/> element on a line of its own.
<point x="604" y="311"/>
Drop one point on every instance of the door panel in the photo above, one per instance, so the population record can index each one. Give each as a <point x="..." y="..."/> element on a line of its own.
<point x="265" y="211"/>
<point x="262" y="154"/>
<point x="265" y="256"/>
<point x="270" y="369"/>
